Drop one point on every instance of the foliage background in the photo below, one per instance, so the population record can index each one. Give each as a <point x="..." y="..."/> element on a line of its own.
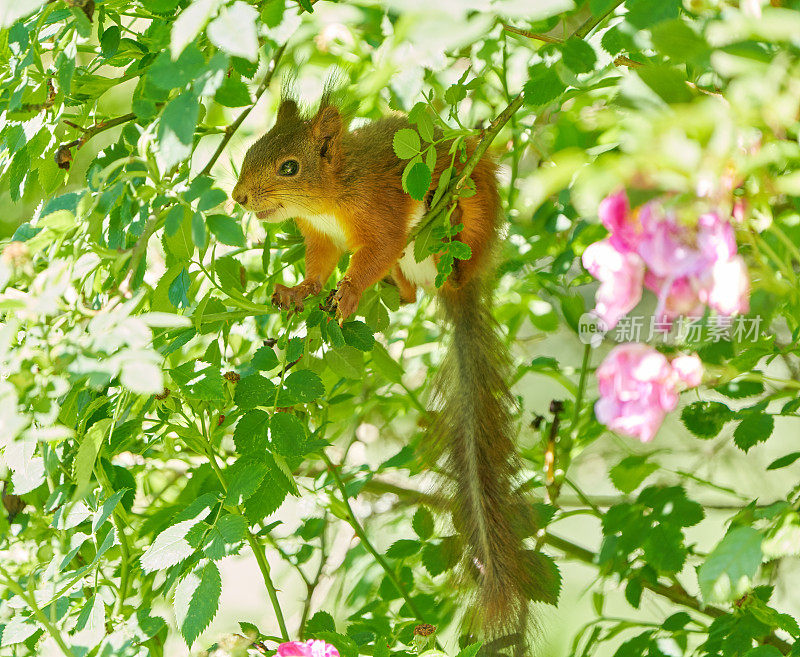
<point x="134" y="277"/>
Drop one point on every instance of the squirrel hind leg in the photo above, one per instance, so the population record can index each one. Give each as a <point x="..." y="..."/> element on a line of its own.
<point x="408" y="291"/>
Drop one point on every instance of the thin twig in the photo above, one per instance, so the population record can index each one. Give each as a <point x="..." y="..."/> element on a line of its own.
<point x="233" y="127"/>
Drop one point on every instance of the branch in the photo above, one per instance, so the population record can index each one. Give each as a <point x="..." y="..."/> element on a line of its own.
<point x="488" y="135"/>
<point x="64" y="153"/>
<point x="233" y="127"/>
<point x="673" y="592"/>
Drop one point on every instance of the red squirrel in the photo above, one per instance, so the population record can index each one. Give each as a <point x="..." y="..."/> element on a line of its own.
<point x="343" y="188"/>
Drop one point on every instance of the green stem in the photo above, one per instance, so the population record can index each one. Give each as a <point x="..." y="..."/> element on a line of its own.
<point x="258" y="551"/>
<point x="362" y="535"/>
<point x="587" y="352"/>
<point x="37" y="612"/>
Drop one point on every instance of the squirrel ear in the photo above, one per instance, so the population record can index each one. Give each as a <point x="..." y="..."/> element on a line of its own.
<point x="326" y="127"/>
<point x="287" y="110"/>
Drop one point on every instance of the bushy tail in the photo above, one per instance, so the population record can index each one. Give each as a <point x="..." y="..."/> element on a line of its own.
<point x="475" y="442"/>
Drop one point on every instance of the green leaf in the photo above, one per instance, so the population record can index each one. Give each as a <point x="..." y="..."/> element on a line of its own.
<point x="385" y="364"/>
<point x="578" y="55"/>
<point x="406" y="143"/>
<point x="254" y="390"/>
<point x="166" y="74"/>
<point x="345" y="361"/>
<point x="753" y="429"/>
<point x="107" y="508"/>
<point x="171" y="547"/>
<point x="678" y="41"/>
<point x="545" y="578"/>
<point x="287" y="434"/>
<point x="729" y="569"/>
<point x="740" y="389"/>
<point x="630" y="472"/>
<point x="250" y="435"/>
<point x="418" y="181"/>
<point x="305" y="385"/>
<point x="109" y="42"/>
<point x="269" y="495"/>
<point x="470" y="650"/>
<point x="264" y="359"/>
<point x="197" y="600"/>
<point x="179" y="289"/>
<point x="784" y="461"/>
<point x="357" y="334"/>
<point x="87" y="455"/>
<point x="225" y="537"/>
<point x="199" y="381"/>
<point x="403" y="548"/>
<point x="233" y="93"/>
<point x="16" y="631"/>
<point x="234" y="31"/>
<point x="442" y="556"/>
<point x="422" y="523"/>
<point x="176" y="128"/>
<point x="543" y="86"/>
<point x="244" y="477"/>
<point x="666" y="82"/>
<point x="225" y="229"/>
<point x="706" y="419"/>
<point x="322" y="621"/>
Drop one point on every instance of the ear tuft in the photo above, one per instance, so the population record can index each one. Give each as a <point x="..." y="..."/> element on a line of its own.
<point x="327" y="124"/>
<point x="287" y="110"/>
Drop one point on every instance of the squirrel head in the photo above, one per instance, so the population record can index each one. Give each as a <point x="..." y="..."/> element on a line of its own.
<point x="291" y="170"/>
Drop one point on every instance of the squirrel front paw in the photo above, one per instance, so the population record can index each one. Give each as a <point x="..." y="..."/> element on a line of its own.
<point x="346" y="299"/>
<point x="291" y="298"/>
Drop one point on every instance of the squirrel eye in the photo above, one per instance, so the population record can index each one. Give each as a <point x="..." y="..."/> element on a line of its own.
<point x="289" y="168"/>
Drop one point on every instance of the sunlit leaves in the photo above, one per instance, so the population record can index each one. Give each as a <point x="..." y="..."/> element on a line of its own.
<point x="234" y="30"/>
<point x="197" y="600"/>
<point x="729" y="569"/>
<point x="176" y="128"/>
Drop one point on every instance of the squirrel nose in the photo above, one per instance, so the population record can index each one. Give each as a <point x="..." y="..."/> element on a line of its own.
<point x="239" y="195"/>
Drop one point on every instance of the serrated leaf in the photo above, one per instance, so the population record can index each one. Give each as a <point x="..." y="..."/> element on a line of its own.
<point x="199" y="381"/>
<point x="225" y="229"/>
<point x="197" y="600"/>
<point x="357" y="334"/>
<point x="543" y="86"/>
<point x="234" y="31"/>
<point x="264" y="359"/>
<point x="250" y="435"/>
<point x="244" y="477"/>
<point x="176" y="128"/>
<point x="305" y="385"/>
<point x="269" y="495"/>
<point x="322" y="621"/>
<point x="287" y="434"/>
<point x="106" y="509"/>
<point x="385" y="364"/>
<point x="440" y="557"/>
<point x="406" y="143"/>
<point x="578" y="55"/>
<point x="254" y="390"/>
<point x="706" y="419"/>
<point x="87" y="455"/>
<point x="422" y="522"/>
<point x="178" y="293"/>
<point x="403" y="548"/>
<point x="225" y="537"/>
<point x="170" y="547"/>
<point x="753" y="429"/>
<point x="630" y="472"/>
<point x="417" y="180"/>
<point x="470" y="650"/>
<point x="729" y="569"/>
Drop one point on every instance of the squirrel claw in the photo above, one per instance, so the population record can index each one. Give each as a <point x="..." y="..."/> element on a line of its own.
<point x="289" y="298"/>
<point x="345" y="300"/>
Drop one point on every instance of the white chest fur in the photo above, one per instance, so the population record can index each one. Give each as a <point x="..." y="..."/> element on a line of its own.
<point x="329" y="225"/>
<point x="422" y="273"/>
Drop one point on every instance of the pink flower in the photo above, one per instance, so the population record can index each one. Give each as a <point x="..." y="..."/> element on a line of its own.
<point x="639" y="386"/>
<point x="728" y="288"/>
<point x="310" y="648"/>
<point x="620" y="276"/>
<point x="687" y="268"/>
<point x="615" y="214"/>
